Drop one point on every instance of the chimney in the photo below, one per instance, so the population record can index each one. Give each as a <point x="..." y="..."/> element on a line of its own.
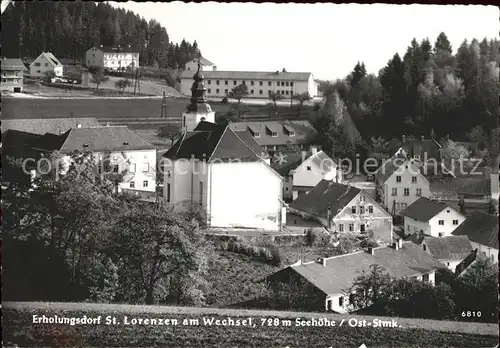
<point x="329" y="217"/>
<point x="214" y="68"/>
<point x="314" y="150"/>
<point x="78" y="125"/>
<point x="494" y="185"/>
<point x="322" y="260"/>
<point x="403" y="137"/>
<point x="371" y="251"/>
<point x="422" y="138"/>
<point x="399" y="244"/>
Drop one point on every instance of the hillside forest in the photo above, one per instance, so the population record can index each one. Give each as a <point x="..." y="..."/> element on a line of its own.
<point x="68" y="29"/>
<point x="432" y="91"/>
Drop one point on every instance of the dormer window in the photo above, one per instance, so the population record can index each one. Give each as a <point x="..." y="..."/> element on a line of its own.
<point x="85" y="145"/>
<point x="274" y="134"/>
<point x="256" y="135"/>
<point x="125" y="143"/>
<point x="292" y="134"/>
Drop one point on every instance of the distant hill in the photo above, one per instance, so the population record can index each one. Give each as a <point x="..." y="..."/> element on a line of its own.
<point x="68" y="29"/>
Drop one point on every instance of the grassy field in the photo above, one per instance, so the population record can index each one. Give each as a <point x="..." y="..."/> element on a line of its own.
<point x="119" y="108"/>
<point x="18" y="328"/>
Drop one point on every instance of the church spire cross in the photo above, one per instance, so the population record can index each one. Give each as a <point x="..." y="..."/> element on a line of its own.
<point x="199" y="102"/>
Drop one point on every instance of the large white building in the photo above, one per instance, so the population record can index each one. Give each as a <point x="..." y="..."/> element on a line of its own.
<point x="112" y="58"/>
<point x="44" y="63"/>
<point x="259" y="83"/>
<point x="213" y="167"/>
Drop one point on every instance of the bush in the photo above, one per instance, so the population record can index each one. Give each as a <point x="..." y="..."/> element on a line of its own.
<point x="316" y="238"/>
<point x="255" y="251"/>
<point x="275" y="257"/>
<point x="224" y="246"/>
<point x="224" y="100"/>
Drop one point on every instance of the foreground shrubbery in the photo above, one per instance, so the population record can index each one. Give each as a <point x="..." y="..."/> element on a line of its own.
<point x="270" y="254"/>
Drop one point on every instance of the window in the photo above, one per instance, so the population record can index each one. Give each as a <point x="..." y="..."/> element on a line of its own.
<point x="201" y="193"/>
<point x="209" y="90"/>
<point x="287" y="84"/>
<point x="116" y="168"/>
<point x="341" y="227"/>
<point x="291" y="84"/>
<point x="286" y="92"/>
<point x="277" y="83"/>
<point x="132" y="184"/>
<point x="184" y="121"/>
<point x="408" y="227"/>
<point x="398" y="178"/>
<point x="406" y="192"/>
<point x="274" y="134"/>
<point x="217" y="91"/>
<point x="413" y="179"/>
<point x="425" y="277"/>
<point x="260" y="92"/>
<point x="448" y="211"/>
<point x="353" y="209"/>
<point x="287" y="178"/>
<point x="440" y="234"/>
<point x="146" y="167"/>
<point x="362" y="198"/>
<point x="37" y="64"/>
<point x="217" y="82"/>
<point x="38" y="71"/>
<point x="417" y="157"/>
<point x="145" y="183"/>
<point x="256" y="135"/>
<point x="394" y="191"/>
<point x="447" y="263"/>
<point x="251" y="83"/>
<point x="226" y="82"/>
<point x="286" y="188"/>
<point x="455" y="222"/>
<point x="404" y="205"/>
<point x="370" y="209"/>
<point x="361" y="210"/>
<point x="282" y="92"/>
<point x="209" y="82"/>
<point x="225" y="91"/>
<point x="419" y="192"/>
<point x="235" y="83"/>
<point x="251" y="91"/>
<point x="441" y="222"/>
<point x="362" y="228"/>
<point x="269" y="83"/>
<point x="168" y="192"/>
<point x="341" y="301"/>
<point x="46" y="64"/>
<point x="424" y="247"/>
<point x="243" y="82"/>
<point x="282" y="84"/>
<point x="132" y="168"/>
<point x="351" y="227"/>
<point x="308" y="167"/>
<point x="260" y="83"/>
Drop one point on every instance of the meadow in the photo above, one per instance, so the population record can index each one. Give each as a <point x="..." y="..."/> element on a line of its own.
<point x="18" y="328"/>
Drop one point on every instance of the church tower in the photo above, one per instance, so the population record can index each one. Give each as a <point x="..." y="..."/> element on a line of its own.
<point x="198" y="110"/>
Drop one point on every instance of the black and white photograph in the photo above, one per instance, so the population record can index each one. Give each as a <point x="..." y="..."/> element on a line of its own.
<point x="249" y="175"/>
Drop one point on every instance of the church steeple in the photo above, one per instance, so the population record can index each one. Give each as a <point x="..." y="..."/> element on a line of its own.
<point x="199" y="102"/>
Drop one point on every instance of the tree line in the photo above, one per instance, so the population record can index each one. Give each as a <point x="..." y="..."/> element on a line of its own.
<point x="73" y="237"/>
<point x="431" y="91"/>
<point x="68" y="29"/>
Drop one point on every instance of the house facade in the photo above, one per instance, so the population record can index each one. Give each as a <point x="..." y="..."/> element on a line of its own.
<point x="260" y="84"/>
<point x="333" y="277"/>
<point x="12" y="74"/>
<point x="222" y="171"/>
<point x="399" y="183"/>
<point x="44" y="63"/>
<point x="112" y="58"/>
<point x="115" y="150"/>
<point x="345" y="209"/>
<point x="482" y="231"/>
<point x="279" y="136"/>
<point x="206" y="65"/>
<point x="432" y="218"/>
<point x="302" y="171"/>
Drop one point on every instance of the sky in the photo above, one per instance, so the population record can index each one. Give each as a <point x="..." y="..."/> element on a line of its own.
<point x="325" y="39"/>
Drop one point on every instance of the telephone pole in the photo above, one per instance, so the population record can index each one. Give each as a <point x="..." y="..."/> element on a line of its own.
<point x="164" y="106"/>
